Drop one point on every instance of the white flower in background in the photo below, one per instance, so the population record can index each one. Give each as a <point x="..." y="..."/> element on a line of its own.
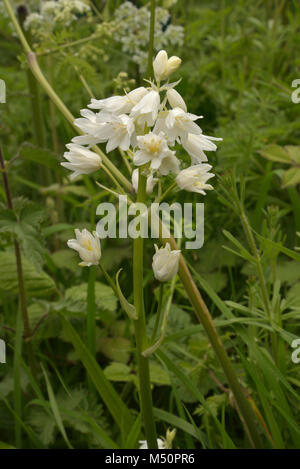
<point x="176" y="100"/>
<point x="177" y="123"/>
<point x="170" y="164"/>
<point x="165" y="263"/>
<point x="146" y="110"/>
<point x="163" y="66"/>
<point x="132" y="31"/>
<point x="193" y="179"/>
<point x="153" y="148"/>
<point x="196" y="144"/>
<point x="119" y="104"/>
<point x="151" y="181"/>
<point x="88" y="247"/>
<point x="81" y="160"/>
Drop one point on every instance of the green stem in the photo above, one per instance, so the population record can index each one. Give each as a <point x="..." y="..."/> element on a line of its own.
<point x="140" y="330"/>
<point x="91" y="311"/>
<point x="158" y="313"/>
<point x="108" y="279"/>
<point x="151" y="39"/>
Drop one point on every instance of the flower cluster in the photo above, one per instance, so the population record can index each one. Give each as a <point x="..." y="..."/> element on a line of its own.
<point x="52" y="12"/>
<point x="147" y="123"/>
<point x="133" y="31"/>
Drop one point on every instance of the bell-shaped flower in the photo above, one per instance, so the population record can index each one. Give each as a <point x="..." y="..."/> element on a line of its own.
<point x="119" y="104"/>
<point x="117" y="131"/>
<point x="170" y="164"/>
<point x="88" y="247"/>
<point x="165" y="263"/>
<point x="146" y="110"/>
<point x="194" y="178"/>
<point x="195" y="145"/>
<point x="151" y="181"/>
<point x="177" y="123"/>
<point x="89" y="124"/>
<point x="81" y="160"/>
<point x="152" y="148"/>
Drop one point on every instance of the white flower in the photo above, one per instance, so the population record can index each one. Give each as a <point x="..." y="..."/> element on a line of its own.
<point x="193" y="179"/>
<point x="169" y="164"/>
<point x="165" y="263"/>
<point x="146" y="110"/>
<point x="164" y="67"/>
<point x="177" y="123"/>
<point x="151" y="181"/>
<point x="81" y="160"/>
<point x="160" y="444"/>
<point x="119" y="104"/>
<point x="89" y="124"/>
<point x="88" y="247"/>
<point x="153" y="148"/>
<point x="117" y="130"/>
<point x="176" y="100"/>
<point x="196" y="144"/>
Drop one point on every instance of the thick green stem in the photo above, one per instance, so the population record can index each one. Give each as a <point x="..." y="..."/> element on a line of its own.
<point x="140" y="330"/>
<point x="91" y="311"/>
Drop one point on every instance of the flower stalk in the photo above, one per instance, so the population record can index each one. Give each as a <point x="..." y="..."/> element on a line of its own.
<point x="140" y="329"/>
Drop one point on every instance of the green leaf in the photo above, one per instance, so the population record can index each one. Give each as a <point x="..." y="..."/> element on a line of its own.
<point x="37" y="283"/>
<point x="115" y="348"/>
<point x="294" y="152"/>
<point x="43" y="156"/>
<point x="291" y="177"/>
<point x="276" y="153"/>
<point x="104" y="296"/>
<point x="55" y="408"/>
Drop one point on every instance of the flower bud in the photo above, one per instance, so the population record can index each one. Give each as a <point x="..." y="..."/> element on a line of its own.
<point x="172" y="65"/>
<point x="164" y="67"/>
<point x="176" y="100"/>
<point x="159" y="64"/>
<point x="88" y="247"/>
<point x="165" y="263"/>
